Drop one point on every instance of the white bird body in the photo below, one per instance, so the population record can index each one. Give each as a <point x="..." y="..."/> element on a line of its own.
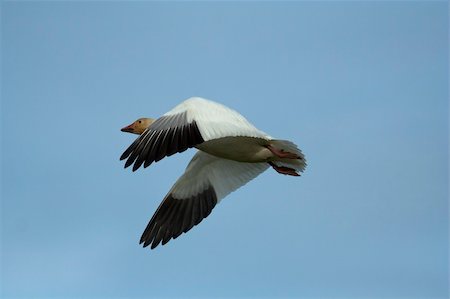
<point x="231" y="153"/>
<point x="238" y="148"/>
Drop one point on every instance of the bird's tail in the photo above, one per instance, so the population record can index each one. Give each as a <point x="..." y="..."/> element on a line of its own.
<point x="297" y="162"/>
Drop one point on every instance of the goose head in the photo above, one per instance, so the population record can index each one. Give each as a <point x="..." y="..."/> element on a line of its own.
<point x="139" y="126"/>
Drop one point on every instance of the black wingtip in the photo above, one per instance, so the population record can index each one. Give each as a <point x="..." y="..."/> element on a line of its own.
<point x="128" y="163"/>
<point x="147" y="163"/>
<point x="176" y="216"/>
<point x="157" y="143"/>
<point x="145" y="243"/>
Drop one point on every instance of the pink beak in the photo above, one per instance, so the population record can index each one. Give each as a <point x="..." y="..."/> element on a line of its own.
<point x="128" y="129"/>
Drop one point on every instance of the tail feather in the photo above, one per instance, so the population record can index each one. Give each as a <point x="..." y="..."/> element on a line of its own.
<point x="288" y="146"/>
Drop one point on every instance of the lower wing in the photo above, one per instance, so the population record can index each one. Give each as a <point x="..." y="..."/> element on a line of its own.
<point x="205" y="182"/>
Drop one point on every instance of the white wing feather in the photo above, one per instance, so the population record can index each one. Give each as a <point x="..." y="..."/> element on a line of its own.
<point x="215" y="120"/>
<point x="225" y="176"/>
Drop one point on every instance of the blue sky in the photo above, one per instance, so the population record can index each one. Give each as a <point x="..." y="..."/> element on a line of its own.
<point x="361" y="87"/>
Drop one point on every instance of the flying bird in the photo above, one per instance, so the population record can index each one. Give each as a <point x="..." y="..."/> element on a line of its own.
<point x="231" y="152"/>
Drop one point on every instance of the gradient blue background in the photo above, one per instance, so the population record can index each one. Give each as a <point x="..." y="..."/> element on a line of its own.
<point x="362" y="88"/>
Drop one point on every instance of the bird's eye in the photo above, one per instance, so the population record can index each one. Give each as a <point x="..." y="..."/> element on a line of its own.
<point x="140" y="121"/>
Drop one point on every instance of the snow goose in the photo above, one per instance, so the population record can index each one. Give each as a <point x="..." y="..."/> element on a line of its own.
<point x="231" y="153"/>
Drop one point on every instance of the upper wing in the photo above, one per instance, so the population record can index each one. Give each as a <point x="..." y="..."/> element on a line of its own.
<point x="206" y="181"/>
<point x="166" y="136"/>
<point x="190" y="123"/>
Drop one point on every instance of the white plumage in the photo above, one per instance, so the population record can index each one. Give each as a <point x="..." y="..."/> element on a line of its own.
<point x="225" y="176"/>
<point x="215" y="120"/>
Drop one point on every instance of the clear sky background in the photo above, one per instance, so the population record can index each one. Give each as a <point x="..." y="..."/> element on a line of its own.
<point x="361" y="87"/>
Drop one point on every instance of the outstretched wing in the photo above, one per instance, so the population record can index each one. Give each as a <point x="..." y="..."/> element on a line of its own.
<point x="166" y="136"/>
<point x="190" y="123"/>
<point x="206" y="181"/>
